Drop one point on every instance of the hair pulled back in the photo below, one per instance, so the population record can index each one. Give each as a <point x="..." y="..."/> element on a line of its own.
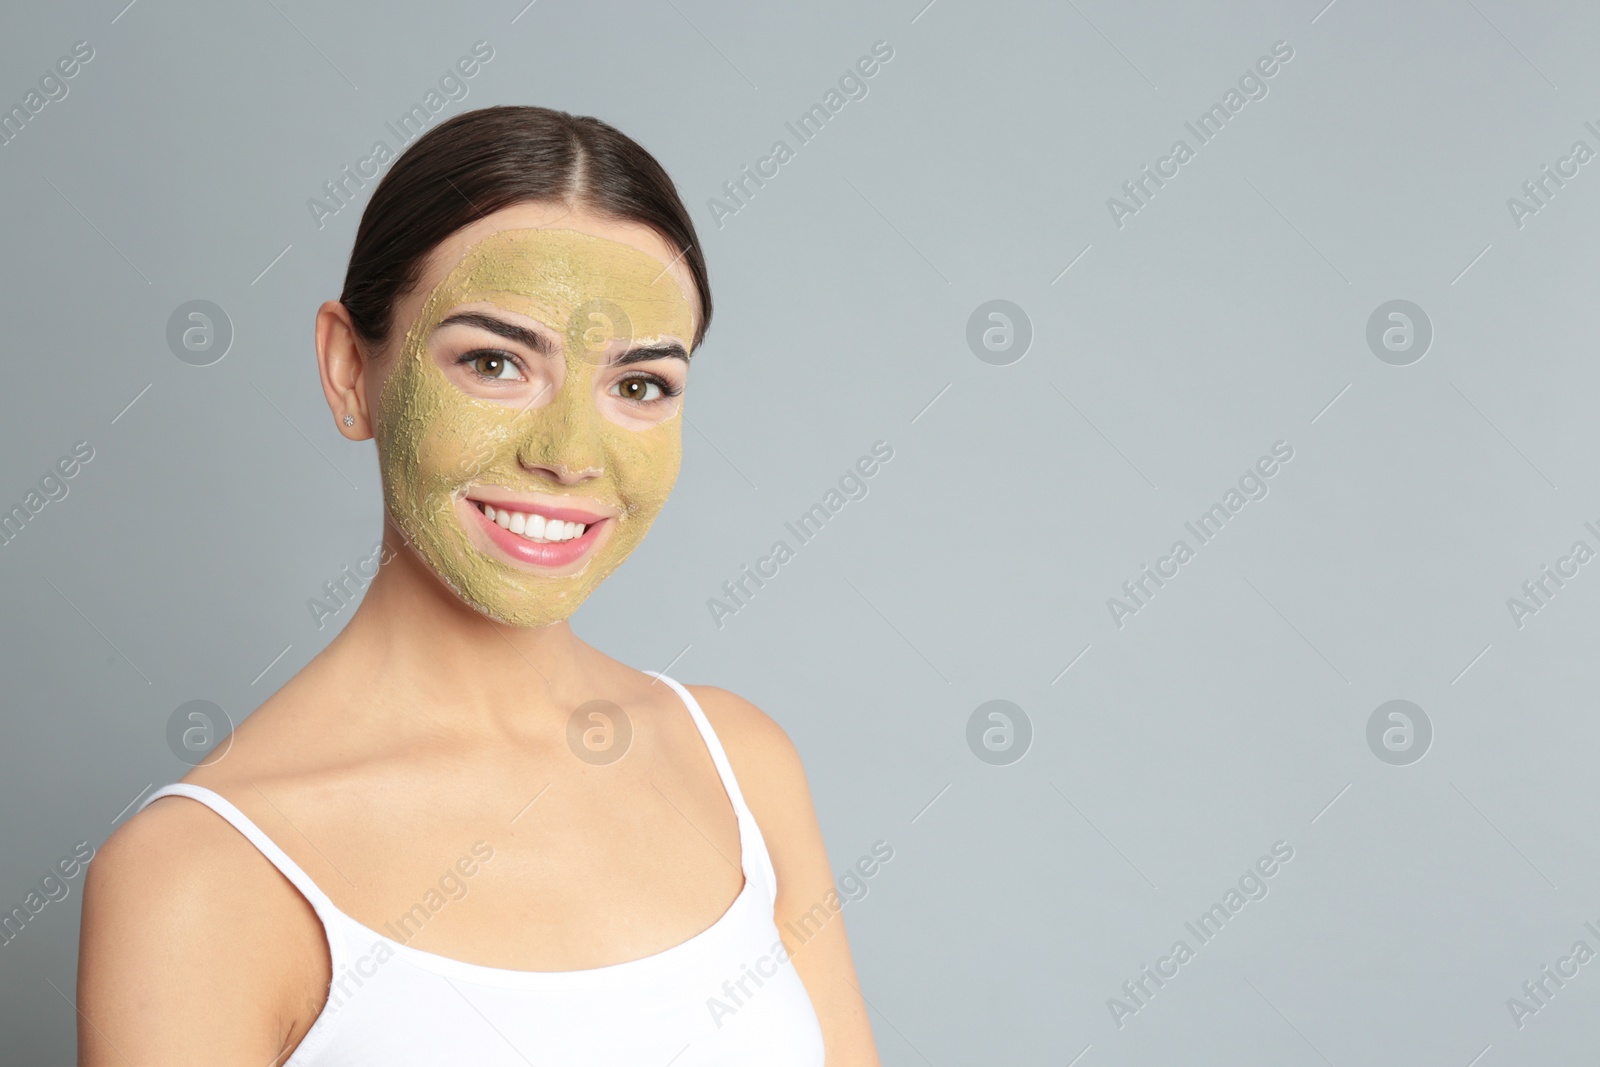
<point x="481" y="161"/>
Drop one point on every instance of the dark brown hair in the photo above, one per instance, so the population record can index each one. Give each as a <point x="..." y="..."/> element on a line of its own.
<point x="484" y="160"/>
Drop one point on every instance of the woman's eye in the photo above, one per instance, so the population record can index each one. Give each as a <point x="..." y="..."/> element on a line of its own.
<point x="492" y="365"/>
<point x="638" y="390"/>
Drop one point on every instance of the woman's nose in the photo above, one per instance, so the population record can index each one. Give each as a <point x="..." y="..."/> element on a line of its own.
<point x="562" y="438"/>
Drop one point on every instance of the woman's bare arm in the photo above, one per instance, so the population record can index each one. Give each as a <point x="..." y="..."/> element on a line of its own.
<point x="774" y="785"/>
<point x="192" y="947"/>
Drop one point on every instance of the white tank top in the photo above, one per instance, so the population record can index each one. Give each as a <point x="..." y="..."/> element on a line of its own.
<point x="727" y="996"/>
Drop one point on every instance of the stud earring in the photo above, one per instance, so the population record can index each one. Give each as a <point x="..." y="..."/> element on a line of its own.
<point x="349" y="420"/>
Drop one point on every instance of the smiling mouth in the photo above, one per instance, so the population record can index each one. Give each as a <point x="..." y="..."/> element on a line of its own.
<point x="532" y="526"/>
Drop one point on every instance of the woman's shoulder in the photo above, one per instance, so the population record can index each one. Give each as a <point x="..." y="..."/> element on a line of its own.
<point x="175" y="852"/>
<point x="767" y="765"/>
<point x="750" y="736"/>
<point x="178" y="905"/>
<point x="177" y="874"/>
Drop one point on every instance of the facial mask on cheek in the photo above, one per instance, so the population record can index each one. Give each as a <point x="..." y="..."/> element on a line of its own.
<point x="436" y="443"/>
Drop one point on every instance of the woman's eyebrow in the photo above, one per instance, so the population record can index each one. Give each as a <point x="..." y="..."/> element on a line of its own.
<point x="645" y="353"/>
<point x="509" y="330"/>
<point x="538" y="343"/>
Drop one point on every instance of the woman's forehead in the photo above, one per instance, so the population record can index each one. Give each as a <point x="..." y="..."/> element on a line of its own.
<point x="610" y="236"/>
<point x="568" y="280"/>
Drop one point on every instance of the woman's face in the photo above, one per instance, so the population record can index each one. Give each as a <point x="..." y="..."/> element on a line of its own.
<point x="529" y="426"/>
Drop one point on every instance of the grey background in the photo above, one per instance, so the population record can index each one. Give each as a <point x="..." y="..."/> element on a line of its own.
<point x="1229" y="313"/>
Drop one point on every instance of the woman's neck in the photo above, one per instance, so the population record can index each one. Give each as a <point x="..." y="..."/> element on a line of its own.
<point x="414" y="638"/>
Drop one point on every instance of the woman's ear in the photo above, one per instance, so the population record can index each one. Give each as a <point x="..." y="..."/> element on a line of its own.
<point x="344" y="371"/>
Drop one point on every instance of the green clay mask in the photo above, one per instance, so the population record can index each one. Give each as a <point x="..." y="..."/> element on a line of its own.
<point x="442" y="445"/>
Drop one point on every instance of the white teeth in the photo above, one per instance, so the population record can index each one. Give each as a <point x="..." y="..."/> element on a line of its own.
<point x="533" y="527"/>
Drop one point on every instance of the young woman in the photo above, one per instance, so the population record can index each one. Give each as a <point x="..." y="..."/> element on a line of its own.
<point x="460" y="834"/>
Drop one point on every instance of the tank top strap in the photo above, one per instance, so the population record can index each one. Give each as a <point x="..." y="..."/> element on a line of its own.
<point x="754" y="858"/>
<point x="241" y="822"/>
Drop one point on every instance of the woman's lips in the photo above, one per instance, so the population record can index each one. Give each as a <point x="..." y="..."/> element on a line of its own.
<point x="552" y="554"/>
<point x="577" y="515"/>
